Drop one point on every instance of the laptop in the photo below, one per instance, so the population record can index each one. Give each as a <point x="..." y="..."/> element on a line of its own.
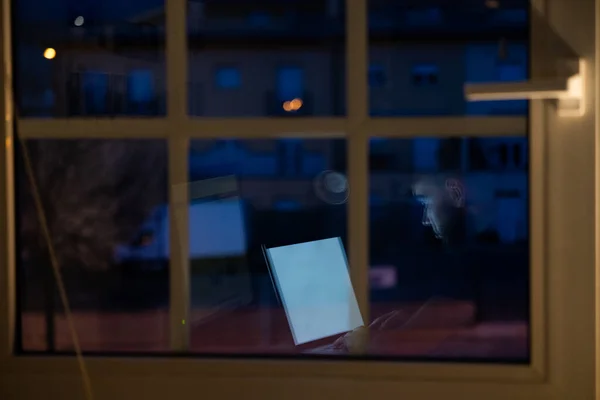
<point x="313" y="284"/>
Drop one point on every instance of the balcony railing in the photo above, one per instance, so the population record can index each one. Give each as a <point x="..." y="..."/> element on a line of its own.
<point x="110" y="96"/>
<point x="385" y="23"/>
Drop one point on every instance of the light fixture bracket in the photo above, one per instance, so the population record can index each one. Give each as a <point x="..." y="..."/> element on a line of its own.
<point x="567" y="90"/>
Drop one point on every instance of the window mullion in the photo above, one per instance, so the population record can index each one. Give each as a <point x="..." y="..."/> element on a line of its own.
<point x="7" y="220"/>
<point x="177" y="62"/>
<point x="357" y="149"/>
<point x="179" y="286"/>
<point x="176" y="54"/>
<point x="358" y="218"/>
<point x="357" y="101"/>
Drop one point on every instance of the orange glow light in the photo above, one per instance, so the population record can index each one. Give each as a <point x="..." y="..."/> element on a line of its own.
<point x="287" y="106"/>
<point x="296" y="104"/>
<point x="49" y="53"/>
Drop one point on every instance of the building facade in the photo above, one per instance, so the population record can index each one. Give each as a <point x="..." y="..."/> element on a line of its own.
<point x="287" y="59"/>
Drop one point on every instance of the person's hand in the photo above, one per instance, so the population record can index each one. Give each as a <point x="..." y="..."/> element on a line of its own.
<point x="435" y="313"/>
<point x="354" y="342"/>
<point x="391" y="320"/>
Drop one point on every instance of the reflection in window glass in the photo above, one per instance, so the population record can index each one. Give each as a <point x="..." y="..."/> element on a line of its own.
<point x="450" y="251"/>
<point x="442" y="48"/>
<point x="261" y="40"/>
<point x="234" y="216"/>
<point x="111" y="36"/>
<point x="507" y="62"/>
<point x="104" y="202"/>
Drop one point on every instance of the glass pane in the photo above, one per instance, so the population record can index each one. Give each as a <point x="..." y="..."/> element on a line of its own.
<point x="423" y="52"/>
<point x="449" y="259"/>
<point x="249" y="199"/>
<point x="102" y="201"/>
<point x="80" y="59"/>
<point x="266" y="59"/>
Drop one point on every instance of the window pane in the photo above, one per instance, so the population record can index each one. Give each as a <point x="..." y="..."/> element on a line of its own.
<point x="101" y="59"/>
<point x="228" y="78"/>
<point x="104" y="203"/>
<point x="449" y="259"/>
<point x="248" y="197"/>
<point x="428" y="50"/>
<point x="288" y="57"/>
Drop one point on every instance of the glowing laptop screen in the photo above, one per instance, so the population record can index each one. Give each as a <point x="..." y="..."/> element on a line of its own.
<point x="314" y="285"/>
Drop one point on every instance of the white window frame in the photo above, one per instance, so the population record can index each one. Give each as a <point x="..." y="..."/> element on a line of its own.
<point x="563" y="159"/>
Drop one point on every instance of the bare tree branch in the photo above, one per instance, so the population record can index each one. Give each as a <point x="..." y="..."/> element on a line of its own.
<point x="95" y="194"/>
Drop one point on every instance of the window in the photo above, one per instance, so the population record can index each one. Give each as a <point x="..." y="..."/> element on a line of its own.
<point x="121" y="37"/>
<point x="228" y="78"/>
<point x="377" y="77"/>
<point x="95" y="88"/>
<point x="290" y="83"/>
<point x="285" y="50"/>
<point x="140" y="92"/>
<point x="436" y="50"/>
<point x="508" y="72"/>
<point x="119" y="263"/>
<point x="424" y="17"/>
<point x="503" y="61"/>
<point x="425" y="75"/>
<point x="511" y="221"/>
<point x="471" y="265"/>
<point x="140" y="86"/>
<point x="259" y="19"/>
<point x="446" y="223"/>
<point x="427" y="150"/>
<point x="234" y="228"/>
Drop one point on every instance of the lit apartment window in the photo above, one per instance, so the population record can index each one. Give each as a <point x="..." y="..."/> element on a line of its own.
<point x="377" y="77"/>
<point x="290" y="83"/>
<point x="140" y="92"/>
<point x="425" y="75"/>
<point x="140" y="86"/>
<point x="228" y="78"/>
<point x="95" y="89"/>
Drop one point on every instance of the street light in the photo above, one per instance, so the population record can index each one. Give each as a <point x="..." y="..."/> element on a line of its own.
<point x="49" y="53"/>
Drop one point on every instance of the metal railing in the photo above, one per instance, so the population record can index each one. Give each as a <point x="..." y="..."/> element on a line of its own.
<point x="111" y="96"/>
